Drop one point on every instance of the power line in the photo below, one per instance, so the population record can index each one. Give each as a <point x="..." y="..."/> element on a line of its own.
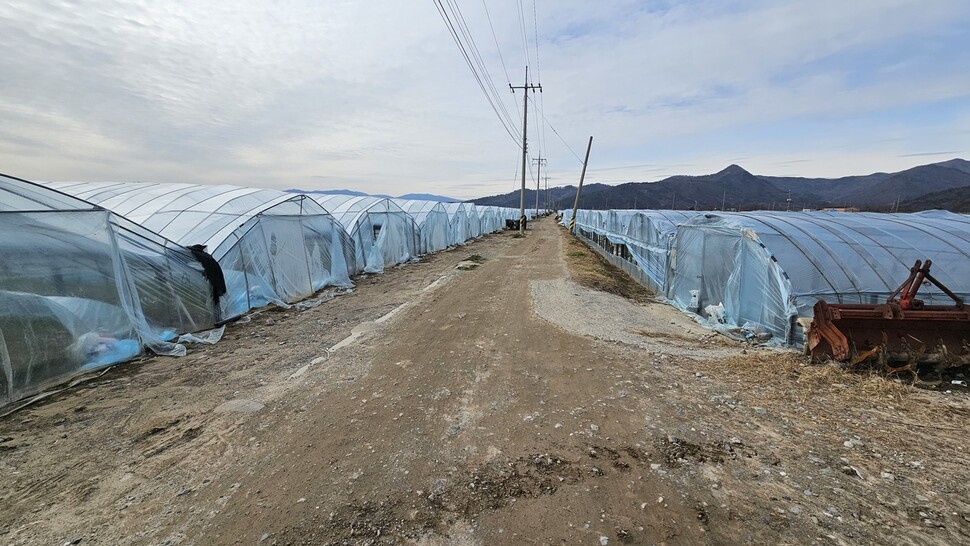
<point x="494" y="37"/>
<point x="541" y="107"/>
<point x="476" y="55"/>
<point x="535" y="24"/>
<point x="560" y="138"/>
<point x="471" y="66"/>
<point x="525" y="38"/>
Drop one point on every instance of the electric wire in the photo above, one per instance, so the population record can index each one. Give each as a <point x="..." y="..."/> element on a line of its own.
<point x="497" y="48"/>
<point x="471" y="66"/>
<point x="477" y="57"/>
<point x="561" y="139"/>
<point x="525" y="38"/>
<point x="535" y="20"/>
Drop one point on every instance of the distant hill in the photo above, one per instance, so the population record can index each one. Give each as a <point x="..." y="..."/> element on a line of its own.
<point x="737" y="189"/>
<point x="954" y="199"/>
<point x="419" y="196"/>
<point x="335" y="192"/>
<point x="428" y="197"/>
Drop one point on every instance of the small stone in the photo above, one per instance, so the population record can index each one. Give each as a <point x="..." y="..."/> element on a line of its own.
<point x="301" y="499"/>
<point x="848" y="444"/>
<point x="264" y="537"/>
<point x="888" y="476"/>
<point x="660" y="500"/>
<point x="795" y="510"/>
<point x="654" y="466"/>
<point x="760" y="411"/>
<point x="604" y="540"/>
<point x="807" y="492"/>
<point x="594" y="428"/>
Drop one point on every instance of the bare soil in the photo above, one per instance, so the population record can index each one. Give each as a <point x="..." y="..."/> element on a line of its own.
<point x="504" y="403"/>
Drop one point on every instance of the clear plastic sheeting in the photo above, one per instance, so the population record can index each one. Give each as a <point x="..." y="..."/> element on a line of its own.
<point x="82" y="288"/>
<point x="769" y="268"/>
<point x="383" y="234"/>
<point x="464" y="221"/>
<point x="273" y="247"/>
<point x="492" y="218"/>
<point x="762" y="270"/>
<point x="643" y="237"/>
<point x="431" y="218"/>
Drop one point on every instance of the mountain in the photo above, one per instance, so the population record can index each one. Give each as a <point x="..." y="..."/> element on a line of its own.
<point x="419" y="196"/>
<point x="559" y="198"/>
<point x="428" y="197"/>
<point x="954" y="199"/>
<point x="734" y="188"/>
<point x="335" y="192"/>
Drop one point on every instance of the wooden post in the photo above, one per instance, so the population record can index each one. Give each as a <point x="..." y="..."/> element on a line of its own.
<point x="572" y="221"/>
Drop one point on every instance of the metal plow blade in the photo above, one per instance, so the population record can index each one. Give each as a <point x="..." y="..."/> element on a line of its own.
<point x="902" y="334"/>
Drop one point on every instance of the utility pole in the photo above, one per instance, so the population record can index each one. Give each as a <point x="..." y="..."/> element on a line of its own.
<point x="546" y="200"/>
<point x="572" y="221"/>
<point x="788" y="202"/>
<point x="525" y="148"/>
<point x="723" y="199"/>
<point x="540" y="161"/>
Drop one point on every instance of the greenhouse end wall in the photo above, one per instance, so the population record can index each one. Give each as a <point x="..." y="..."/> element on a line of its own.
<point x="87" y="289"/>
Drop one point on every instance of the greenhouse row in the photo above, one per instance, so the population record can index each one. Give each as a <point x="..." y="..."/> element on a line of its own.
<point x="762" y="271"/>
<point x="104" y="270"/>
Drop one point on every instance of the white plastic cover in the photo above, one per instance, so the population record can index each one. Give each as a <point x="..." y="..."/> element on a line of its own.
<point x="82" y="288"/>
<point x="771" y="267"/>
<point x="768" y="268"/>
<point x="431" y="218"/>
<point x="274" y="247"/>
<point x="383" y="234"/>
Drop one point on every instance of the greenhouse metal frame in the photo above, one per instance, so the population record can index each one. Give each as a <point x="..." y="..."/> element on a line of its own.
<point x="273" y="247"/>
<point x="382" y="232"/>
<point x="87" y="289"/>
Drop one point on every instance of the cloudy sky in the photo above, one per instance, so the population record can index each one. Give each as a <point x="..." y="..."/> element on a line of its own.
<point x="374" y="95"/>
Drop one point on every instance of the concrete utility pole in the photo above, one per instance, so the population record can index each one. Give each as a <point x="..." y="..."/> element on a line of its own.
<point x="540" y="161"/>
<point x="546" y="200"/>
<point x="572" y="221"/>
<point x="525" y="148"/>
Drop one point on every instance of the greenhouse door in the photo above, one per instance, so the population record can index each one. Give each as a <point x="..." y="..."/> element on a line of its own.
<point x="287" y="253"/>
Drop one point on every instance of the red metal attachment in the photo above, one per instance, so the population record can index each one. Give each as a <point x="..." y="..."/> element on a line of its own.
<point x="899" y="335"/>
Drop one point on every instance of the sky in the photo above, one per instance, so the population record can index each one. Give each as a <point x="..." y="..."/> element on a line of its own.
<point x="375" y="95"/>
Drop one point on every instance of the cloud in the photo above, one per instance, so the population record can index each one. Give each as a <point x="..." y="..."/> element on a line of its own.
<point x="374" y="95"/>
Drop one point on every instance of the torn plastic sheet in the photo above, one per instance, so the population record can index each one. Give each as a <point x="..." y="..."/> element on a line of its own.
<point x="323" y="297"/>
<point x="209" y="337"/>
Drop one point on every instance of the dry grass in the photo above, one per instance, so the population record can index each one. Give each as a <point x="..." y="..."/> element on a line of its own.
<point x="588" y="269"/>
<point x="786" y="383"/>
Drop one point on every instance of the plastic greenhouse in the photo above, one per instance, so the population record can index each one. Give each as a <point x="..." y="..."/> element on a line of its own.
<point x="82" y="288"/>
<point x="770" y="268"/>
<point x="382" y="232"/>
<point x="464" y="222"/>
<point x="490" y="218"/>
<point x="643" y="237"/>
<point x="274" y="247"/>
<point x="432" y="221"/>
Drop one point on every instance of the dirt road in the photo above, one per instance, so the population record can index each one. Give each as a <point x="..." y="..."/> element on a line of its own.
<point x="496" y="402"/>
